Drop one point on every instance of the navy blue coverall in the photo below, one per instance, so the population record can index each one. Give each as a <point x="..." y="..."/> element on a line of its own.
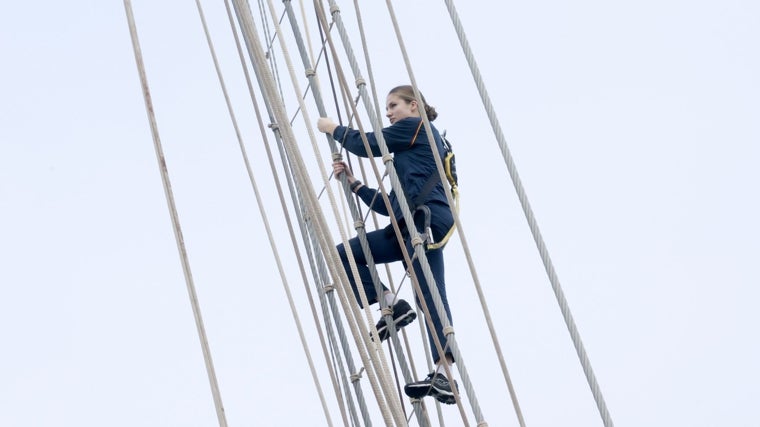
<point x="414" y="163"/>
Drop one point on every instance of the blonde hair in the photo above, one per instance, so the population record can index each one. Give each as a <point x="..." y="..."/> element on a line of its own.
<point x="406" y="92"/>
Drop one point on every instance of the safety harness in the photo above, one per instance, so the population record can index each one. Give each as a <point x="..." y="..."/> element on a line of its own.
<point x="418" y="203"/>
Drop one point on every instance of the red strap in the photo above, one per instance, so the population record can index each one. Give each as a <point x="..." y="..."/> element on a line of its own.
<point x="416" y="133"/>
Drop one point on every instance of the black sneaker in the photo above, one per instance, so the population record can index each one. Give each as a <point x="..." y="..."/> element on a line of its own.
<point x="403" y="314"/>
<point x="436" y="385"/>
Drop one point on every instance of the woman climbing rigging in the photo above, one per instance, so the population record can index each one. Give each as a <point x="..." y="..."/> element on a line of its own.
<point x="413" y="159"/>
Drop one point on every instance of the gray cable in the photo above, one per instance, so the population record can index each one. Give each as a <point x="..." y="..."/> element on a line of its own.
<point x="543" y="251"/>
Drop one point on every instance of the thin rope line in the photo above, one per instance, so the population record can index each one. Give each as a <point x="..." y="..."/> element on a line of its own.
<point x="270" y="44"/>
<point x="175" y="219"/>
<point x="344" y="88"/>
<point x="542" y="249"/>
<point x="315" y="91"/>
<point x="305" y="21"/>
<point x="306" y="229"/>
<point x="394" y="404"/>
<point x="365" y="49"/>
<point x="451" y="339"/>
<point x="275" y="251"/>
<point x="384" y="370"/>
<point x="277" y="136"/>
<point x="394" y="179"/>
<point x="419" y="251"/>
<point x="299" y="169"/>
<point x="401" y="360"/>
<point x="323" y="39"/>
<point x="395" y="182"/>
<point x="373" y="88"/>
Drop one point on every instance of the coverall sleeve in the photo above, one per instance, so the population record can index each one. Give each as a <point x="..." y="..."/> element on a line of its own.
<point x="398" y="137"/>
<point x="372" y="198"/>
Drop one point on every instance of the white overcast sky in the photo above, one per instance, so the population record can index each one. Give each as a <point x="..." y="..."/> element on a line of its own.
<point x="634" y="127"/>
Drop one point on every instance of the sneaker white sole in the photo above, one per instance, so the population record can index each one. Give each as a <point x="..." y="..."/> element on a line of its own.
<point x="445" y="397"/>
<point x="402" y="321"/>
<point x="418" y="391"/>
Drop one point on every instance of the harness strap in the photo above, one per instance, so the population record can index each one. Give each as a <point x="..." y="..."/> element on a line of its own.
<point x="427" y="233"/>
<point x="431" y="182"/>
<point x="414" y="138"/>
<point x="419" y="204"/>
